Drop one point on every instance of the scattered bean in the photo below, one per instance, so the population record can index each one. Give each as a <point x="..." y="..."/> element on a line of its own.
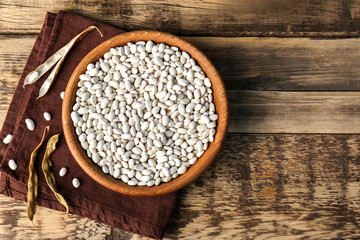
<point x="12" y="164"/>
<point x="30" y="124"/>
<point x="76" y="183"/>
<point x="62" y="172"/>
<point x="8" y="139"/>
<point x="47" y="116"/>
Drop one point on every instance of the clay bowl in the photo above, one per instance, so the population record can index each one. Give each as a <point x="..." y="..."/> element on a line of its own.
<point x="220" y="101"/>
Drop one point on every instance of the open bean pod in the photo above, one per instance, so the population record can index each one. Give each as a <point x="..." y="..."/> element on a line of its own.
<point x="58" y="59"/>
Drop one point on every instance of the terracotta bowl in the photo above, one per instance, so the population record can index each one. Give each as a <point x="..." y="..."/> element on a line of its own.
<point x="220" y="101"/>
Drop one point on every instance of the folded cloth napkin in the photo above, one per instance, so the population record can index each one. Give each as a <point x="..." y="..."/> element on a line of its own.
<point x="147" y="216"/>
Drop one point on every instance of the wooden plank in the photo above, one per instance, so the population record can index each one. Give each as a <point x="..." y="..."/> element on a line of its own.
<point x="283" y="112"/>
<point x="251" y="111"/>
<point x="187" y="17"/>
<point x="291" y="64"/>
<point x="294" y="112"/>
<point x="259" y="187"/>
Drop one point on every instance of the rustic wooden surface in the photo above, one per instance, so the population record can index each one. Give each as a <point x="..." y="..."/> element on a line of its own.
<point x="289" y="168"/>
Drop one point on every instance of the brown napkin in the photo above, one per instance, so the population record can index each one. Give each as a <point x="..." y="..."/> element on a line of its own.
<point x="147" y="216"/>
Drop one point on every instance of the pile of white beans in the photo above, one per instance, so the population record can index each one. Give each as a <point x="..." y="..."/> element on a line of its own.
<point x="144" y="112"/>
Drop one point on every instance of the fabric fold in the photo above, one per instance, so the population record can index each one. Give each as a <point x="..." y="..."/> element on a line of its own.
<point x="147" y="216"/>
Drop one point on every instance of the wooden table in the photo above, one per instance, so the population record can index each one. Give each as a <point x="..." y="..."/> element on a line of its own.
<point x="290" y="166"/>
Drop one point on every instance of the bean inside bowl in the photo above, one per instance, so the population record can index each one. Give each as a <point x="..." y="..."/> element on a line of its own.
<point x="219" y="99"/>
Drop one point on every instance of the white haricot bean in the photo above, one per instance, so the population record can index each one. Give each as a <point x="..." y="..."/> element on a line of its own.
<point x="207" y="82"/>
<point x="104" y="66"/>
<point x="144" y="113"/>
<point x="85" y="77"/>
<point x="181" y="170"/>
<point x="76" y="183"/>
<point x="150" y="183"/>
<point x="117" y="173"/>
<point x="33" y="76"/>
<point x="12" y="164"/>
<point x="205" y="119"/>
<point x="47" y="116"/>
<point x="7" y="139"/>
<point x="62" y="94"/>
<point x="30" y="124"/>
<point x="62" y="172"/>
<point x="213" y="117"/>
<point x="133" y="182"/>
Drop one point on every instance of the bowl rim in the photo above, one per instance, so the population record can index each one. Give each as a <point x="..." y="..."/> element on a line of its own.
<point x="92" y="169"/>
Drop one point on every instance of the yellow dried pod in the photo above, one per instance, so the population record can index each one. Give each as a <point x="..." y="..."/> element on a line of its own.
<point x="46" y="167"/>
<point x="33" y="180"/>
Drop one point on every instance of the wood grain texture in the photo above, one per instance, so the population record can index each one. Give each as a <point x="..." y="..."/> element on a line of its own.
<point x="294" y="112"/>
<point x="260" y="187"/>
<point x="201" y="18"/>
<point x="291" y="64"/>
<point x="117" y="185"/>
<point x="272" y="186"/>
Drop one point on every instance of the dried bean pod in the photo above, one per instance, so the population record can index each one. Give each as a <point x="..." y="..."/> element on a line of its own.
<point x="58" y="58"/>
<point x="46" y="167"/>
<point x="49" y="81"/>
<point x="33" y="180"/>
